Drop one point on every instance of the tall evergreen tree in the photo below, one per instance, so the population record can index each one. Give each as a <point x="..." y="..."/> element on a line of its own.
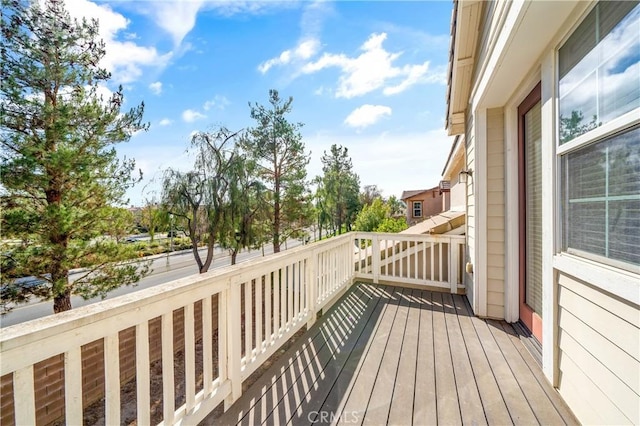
<point x="275" y="144"/>
<point x="340" y="187"/>
<point x="60" y="171"/>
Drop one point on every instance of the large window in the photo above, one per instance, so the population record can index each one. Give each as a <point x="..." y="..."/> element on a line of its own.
<point x="599" y="85"/>
<point x="600" y="69"/>
<point x="417" y="209"/>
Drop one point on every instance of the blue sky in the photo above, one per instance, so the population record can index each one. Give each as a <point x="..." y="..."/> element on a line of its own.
<point x="370" y="76"/>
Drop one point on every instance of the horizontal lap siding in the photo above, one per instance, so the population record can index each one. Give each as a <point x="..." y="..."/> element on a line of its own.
<point x="471" y="214"/>
<point x="599" y="354"/>
<point x="49" y="374"/>
<point x="495" y="213"/>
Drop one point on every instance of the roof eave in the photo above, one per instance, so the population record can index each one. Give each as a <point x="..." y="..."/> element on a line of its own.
<point x="465" y="31"/>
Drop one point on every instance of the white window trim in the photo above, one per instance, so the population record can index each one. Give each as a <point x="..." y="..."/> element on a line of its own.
<point x="614" y="126"/>
<point x="620" y="283"/>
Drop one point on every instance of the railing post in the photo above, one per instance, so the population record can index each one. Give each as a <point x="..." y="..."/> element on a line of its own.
<point x="375" y="258"/>
<point x="234" y="344"/>
<point x="311" y="287"/>
<point x="453" y="265"/>
<point x="352" y="258"/>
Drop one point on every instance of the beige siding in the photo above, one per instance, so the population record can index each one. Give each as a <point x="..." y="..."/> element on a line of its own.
<point x="471" y="215"/>
<point x="495" y="213"/>
<point x="599" y="354"/>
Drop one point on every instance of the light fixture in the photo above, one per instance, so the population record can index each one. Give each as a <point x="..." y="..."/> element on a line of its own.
<point x="464" y="174"/>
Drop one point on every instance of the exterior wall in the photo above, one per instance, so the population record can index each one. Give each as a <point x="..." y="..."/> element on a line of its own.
<point x="495" y="213"/>
<point x="591" y="311"/>
<point x="599" y="354"/>
<point x="471" y="212"/>
<point x="432" y="202"/>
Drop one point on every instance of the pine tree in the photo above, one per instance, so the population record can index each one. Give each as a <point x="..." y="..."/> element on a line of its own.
<point x="275" y="144"/>
<point x="60" y="170"/>
<point x="341" y="186"/>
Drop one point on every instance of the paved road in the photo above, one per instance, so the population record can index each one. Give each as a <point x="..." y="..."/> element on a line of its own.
<point x="164" y="269"/>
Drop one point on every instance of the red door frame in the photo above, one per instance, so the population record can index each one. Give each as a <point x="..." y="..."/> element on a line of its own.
<point x="532" y="320"/>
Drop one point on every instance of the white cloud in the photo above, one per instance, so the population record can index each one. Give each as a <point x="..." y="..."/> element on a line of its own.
<point x="384" y="159"/>
<point x="367" y="115"/>
<point x="164" y="122"/>
<point x="124" y="59"/>
<point x="372" y="69"/>
<point x="304" y="50"/>
<point x="219" y="102"/>
<point x="156" y="87"/>
<point x="176" y="17"/>
<point x="190" y="115"/>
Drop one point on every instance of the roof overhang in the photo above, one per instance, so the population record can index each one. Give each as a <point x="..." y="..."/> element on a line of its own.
<point x="455" y="156"/>
<point x="465" y="30"/>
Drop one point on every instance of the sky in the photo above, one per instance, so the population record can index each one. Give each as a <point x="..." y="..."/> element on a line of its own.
<point x="367" y="75"/>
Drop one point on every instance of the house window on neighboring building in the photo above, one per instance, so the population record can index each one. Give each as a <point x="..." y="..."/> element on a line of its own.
<point x="417" y="209"/>
<point x="599" y="84"/>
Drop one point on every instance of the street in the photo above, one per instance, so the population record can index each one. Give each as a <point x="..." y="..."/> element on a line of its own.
<point x="163" y="269"/>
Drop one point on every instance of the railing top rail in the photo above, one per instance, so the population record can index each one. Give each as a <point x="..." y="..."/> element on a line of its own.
<point x="18" y="334"/>
<point x="408" y="237"/>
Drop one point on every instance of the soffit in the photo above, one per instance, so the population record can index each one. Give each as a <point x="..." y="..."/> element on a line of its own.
<point x="464" y="32"/>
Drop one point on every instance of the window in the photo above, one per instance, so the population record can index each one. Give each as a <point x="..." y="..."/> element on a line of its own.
<point x="599" y="85"/>
<point x="599" y="69"/>
<point x="417" y="209"/>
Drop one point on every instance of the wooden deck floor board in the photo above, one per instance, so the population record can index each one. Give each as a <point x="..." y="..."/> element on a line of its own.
<point x="355" y="405"/>
<point x="467" y="390"/>
<point x="538" y="400"/>
<point x="295" y="408"/>
<point x="425" y="410"/>
<point x="268" y="390"/>
<point x="398" y="356"/>
<point x="553" y="395"/>
<point x="380" y="402"/>
<point x="404" y="386"/>
<point x="517" y="405"/>
<point x="446" y="393"/>
<point x="495" y="410"/>
<point x="327" y="379"/>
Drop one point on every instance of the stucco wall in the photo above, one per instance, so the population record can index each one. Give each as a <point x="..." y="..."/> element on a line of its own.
<point x="599" y="353"/>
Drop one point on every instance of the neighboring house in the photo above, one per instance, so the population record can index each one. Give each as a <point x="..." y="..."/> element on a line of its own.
<point x="547" y="95"/>
<point x="452" y="191"/>
<point x="422" y="203"/>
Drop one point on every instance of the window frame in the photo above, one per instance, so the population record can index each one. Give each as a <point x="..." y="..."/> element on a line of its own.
<point x="573" y="260"/>
<point x="415" y="204"/>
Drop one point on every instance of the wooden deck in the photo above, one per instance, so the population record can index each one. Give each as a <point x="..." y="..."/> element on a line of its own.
<point x="390" y="355"/>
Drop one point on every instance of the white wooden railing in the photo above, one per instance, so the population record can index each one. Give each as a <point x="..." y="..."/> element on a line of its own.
<point x="260" y="304"/>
